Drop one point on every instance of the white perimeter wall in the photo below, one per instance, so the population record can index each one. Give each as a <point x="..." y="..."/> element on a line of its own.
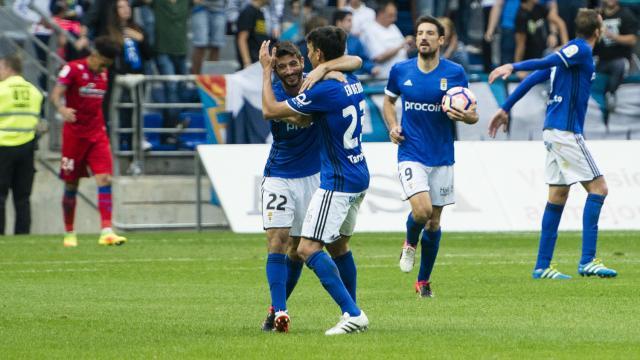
<point x="499" y="186"/>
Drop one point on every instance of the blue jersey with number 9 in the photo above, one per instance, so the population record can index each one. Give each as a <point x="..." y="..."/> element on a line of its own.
<point x="338" y="109"/>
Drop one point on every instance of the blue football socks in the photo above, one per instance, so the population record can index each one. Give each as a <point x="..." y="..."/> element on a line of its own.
<point x="590" y="218"/>
<point x="327" y="272"/>
<point x="549" y="234"/>
<point x="430" y="244"/>
<point x="348" y="272"/>
<point x="294" y="269"/>
<point x="277" y="278"/>
<point x="413" y="230"/>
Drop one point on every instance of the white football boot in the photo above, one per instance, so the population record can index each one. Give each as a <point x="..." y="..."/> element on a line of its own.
<point x="407" y="257"/>
<point x="349" y="324"/>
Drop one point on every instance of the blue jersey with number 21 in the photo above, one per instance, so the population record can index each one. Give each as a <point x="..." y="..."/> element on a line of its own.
<point x="337" y="110"/>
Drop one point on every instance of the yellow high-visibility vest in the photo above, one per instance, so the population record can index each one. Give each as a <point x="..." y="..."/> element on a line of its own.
<point x="20" y="104"/>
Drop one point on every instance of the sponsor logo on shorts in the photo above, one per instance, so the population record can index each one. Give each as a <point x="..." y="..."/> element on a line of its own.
<point x="446" y="191"/>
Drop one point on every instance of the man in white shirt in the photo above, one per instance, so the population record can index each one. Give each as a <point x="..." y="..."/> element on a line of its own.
<point x="363" y="16"/>
<point x="383" y="40"/>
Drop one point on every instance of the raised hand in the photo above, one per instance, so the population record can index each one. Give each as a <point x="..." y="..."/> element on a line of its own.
<point x="500" y="118"/>
<point x="266" y="58"/>
<point x="502" y="71"/>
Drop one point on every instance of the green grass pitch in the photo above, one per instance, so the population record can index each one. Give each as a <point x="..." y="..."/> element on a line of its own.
<point x="189" y="295"/>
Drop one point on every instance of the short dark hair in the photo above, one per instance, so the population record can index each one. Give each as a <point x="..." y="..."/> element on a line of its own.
<point x="284" y="48"/>
<point x="314" y="22"/>
<point x="382" y="4"/>
<point x="340" y="15"/>
<point x="587" y="22"/>
<point x="13" y="61"/>
<point x="430" y="20"/>
<point x="330" y="40"/>
<point x="107" y="47"/>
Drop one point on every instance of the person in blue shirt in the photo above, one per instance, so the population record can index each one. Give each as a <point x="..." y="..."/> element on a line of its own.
<point x="337" y="109"/>
<point x="425" y="142"/>
<point x="571" y="71"/>
<point x="291" y="176"/>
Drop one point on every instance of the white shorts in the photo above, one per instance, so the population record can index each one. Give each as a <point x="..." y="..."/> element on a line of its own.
<point x="285" y="201"/>
<point x="331" y="214"/>
<point x="568" y="159"/>
<point x="437" y="181"/>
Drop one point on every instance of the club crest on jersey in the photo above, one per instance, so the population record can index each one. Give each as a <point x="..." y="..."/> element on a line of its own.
<point x="443" y="84"/>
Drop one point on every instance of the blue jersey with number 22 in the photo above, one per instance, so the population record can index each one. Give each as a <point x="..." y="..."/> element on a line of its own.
<point x="294" y="152"/>
<point x="337" y="110"/>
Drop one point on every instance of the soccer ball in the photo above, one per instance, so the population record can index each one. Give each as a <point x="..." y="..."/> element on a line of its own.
<point x="458" y="97"/>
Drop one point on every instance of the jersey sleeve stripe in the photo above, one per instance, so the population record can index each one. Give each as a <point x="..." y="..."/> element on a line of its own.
<point x="296" y="110"/>
<point x="562" y="58"/>
<point x="390" y="93"/>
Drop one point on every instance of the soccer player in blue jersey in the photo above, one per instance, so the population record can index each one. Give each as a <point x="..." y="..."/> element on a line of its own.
<point x="425" y="142"/>
<point x="337" y="109"/>
<point x="291" y="176"/>
<point x="571" y="71"/>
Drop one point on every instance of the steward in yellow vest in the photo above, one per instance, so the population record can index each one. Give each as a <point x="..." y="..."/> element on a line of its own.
<point x="20" y="104"/>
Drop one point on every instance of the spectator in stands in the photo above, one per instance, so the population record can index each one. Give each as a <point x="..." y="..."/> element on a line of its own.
<point x="567" y="10"/>
<point x="453" y="49"/>
<point x="170" y="49"/>
<point x="363" y="16"/>
<point x="536" y="33"/>
<point x="67" y="21"/>
<point x="94" y="22"/>
<point x="615" y="47"/>
<point x="487" y="49"/>
<point x="384" y="41"/>
<point x="344" y="20"/>
<point x="557" y="26"/>
<point x="273" y="14"/>
<point x="208" y="26"/>
<point x="252" y="31"/>
<point x="435" y="8"/>
<point x="504" y="13"/>
<point x="39" y="29"/>
<point x="135" y="51"/>
<point x="314" y="22"/>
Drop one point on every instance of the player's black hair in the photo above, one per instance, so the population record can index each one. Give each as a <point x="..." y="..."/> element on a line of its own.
<point x="107" y="47"/>
<point x="431" y="20"/>
<point x="330" y="40"/>
<point x="587" y="22"/>
<point x="339" y="15"/>
<point x="284" y="48"/>
<point x="382" y="4"/>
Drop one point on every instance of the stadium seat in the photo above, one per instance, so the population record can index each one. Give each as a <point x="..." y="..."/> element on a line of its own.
<point x="192" y="120"/>
<point x="154" y="120"/>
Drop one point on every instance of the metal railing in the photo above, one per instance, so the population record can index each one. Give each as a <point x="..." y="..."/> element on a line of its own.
<point x="138" y="87"/>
